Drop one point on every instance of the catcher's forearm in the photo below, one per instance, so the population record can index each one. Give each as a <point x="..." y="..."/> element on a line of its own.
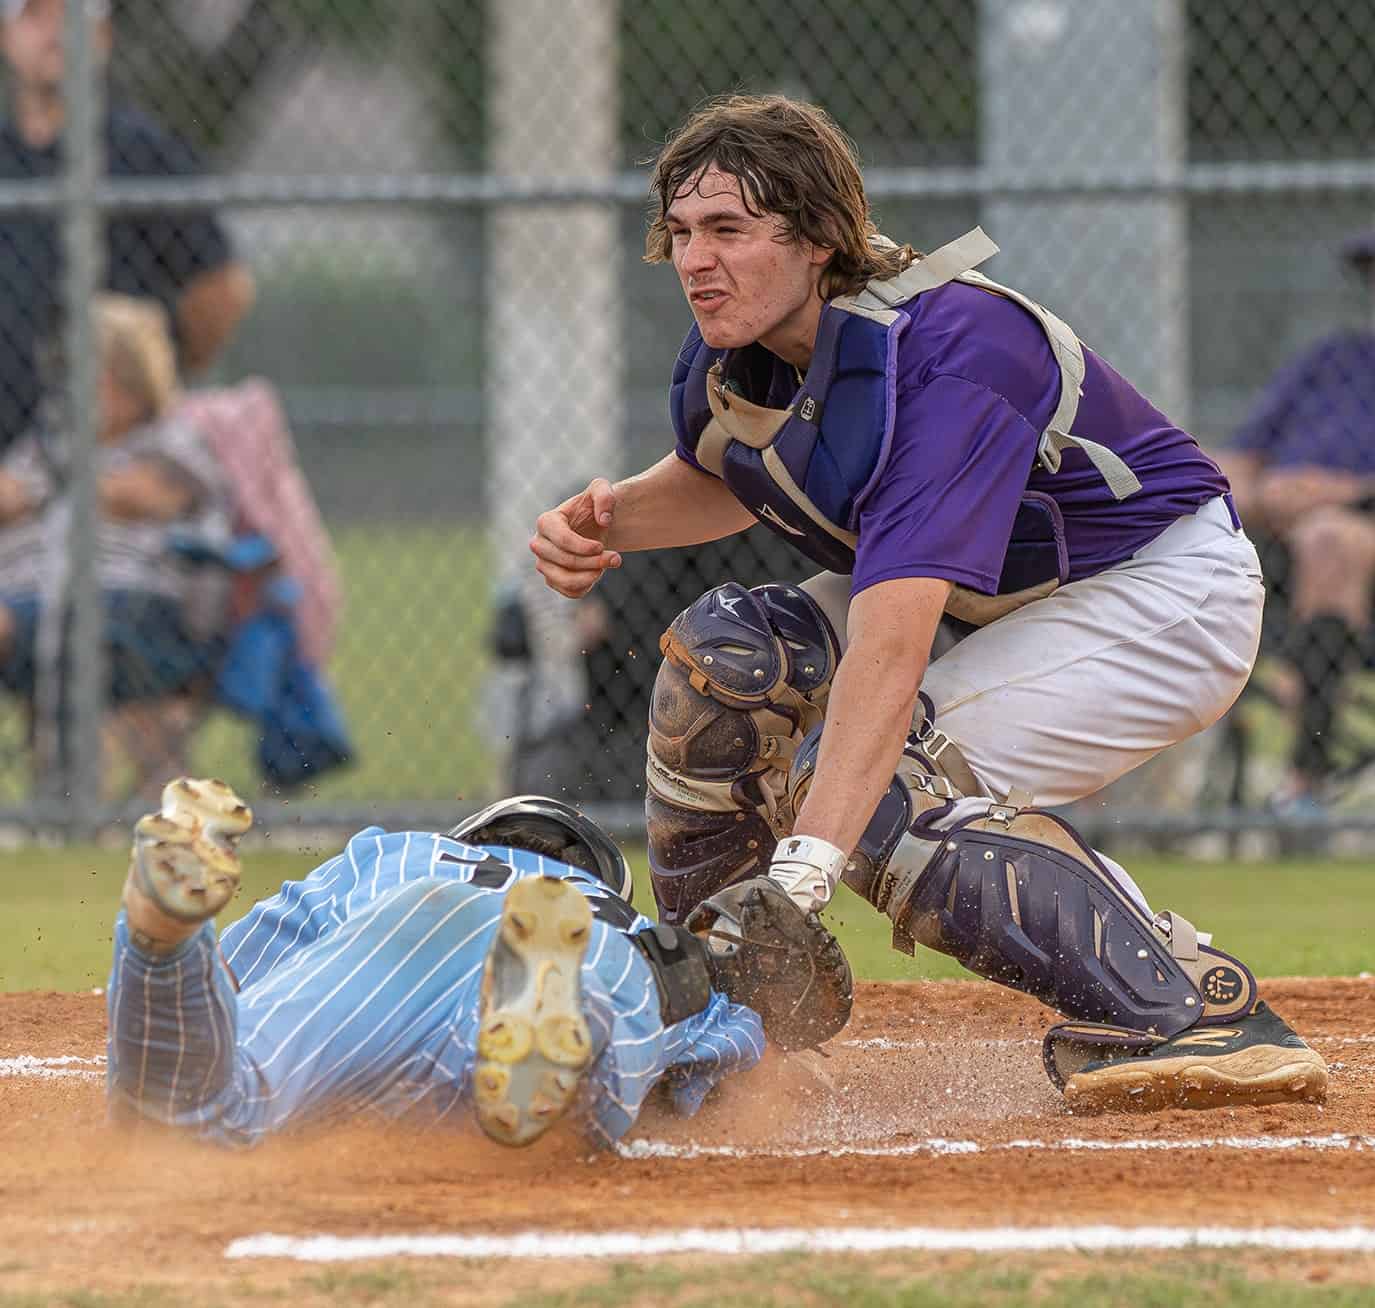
<point x="868" y="716"/>
<point x="672" y="504"/>
<point x="867" y="721"/>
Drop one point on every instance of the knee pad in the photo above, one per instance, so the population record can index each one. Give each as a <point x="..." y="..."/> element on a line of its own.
<point x="746" y="674"/>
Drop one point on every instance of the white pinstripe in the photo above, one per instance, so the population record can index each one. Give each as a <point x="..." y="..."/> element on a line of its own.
<point x="275" y="902"/>
<point x="310" y="975"/>
<point x="181" y="1041"/>
<point x="306" y="1059"/>
<point x="147" y="1018"/>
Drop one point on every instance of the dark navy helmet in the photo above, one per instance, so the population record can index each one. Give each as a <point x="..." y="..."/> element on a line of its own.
<point x="552" y="828"/>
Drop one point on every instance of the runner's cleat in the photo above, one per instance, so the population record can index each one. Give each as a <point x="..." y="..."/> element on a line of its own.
<point x="1257" y="1060"/>
<point x="533" y="1042"/>
<point x="183" y="868"/>
<point x="222" y="816"/>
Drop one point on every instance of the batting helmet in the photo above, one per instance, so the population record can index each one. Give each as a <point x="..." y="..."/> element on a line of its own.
<point x="552" y="828"/>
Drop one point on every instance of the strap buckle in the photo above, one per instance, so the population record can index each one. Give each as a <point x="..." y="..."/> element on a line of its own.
<point x="932" y="740"/>
<point x="1002" y="814"/>
<point x="937" y="787"/>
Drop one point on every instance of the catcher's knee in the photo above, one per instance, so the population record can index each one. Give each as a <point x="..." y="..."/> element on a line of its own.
<point x="746" y="674"/>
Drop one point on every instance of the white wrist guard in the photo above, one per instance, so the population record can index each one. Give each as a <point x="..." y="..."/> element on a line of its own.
<point x="809" y="870"/>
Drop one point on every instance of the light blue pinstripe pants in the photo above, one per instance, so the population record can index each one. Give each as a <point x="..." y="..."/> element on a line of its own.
<point x="366" y="1002"/>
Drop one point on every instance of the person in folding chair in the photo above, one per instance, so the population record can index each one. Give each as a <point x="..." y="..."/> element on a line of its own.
<point x="1303" y="468"/>
<point x="944" y="447"/>
<point x="157" y="478"/>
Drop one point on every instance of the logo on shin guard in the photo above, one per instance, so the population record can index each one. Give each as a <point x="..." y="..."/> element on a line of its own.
<point x="1223" y="985"/>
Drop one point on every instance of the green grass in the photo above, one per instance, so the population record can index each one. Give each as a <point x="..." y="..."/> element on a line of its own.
<point x="894" y="1281"/>
<point x="905" y="1282"/>
<point x="1318" y="919"/>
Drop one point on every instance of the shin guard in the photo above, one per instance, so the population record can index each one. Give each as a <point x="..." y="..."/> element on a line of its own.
<point x="1019" y="898"/>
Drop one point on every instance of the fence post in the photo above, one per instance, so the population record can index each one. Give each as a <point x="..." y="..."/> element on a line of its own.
<point x="554" y="348"/>
<point x="84" y="639"/>
<point x="1081" y="92"/>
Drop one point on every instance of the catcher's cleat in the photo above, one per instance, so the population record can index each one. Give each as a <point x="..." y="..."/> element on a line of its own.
<point x="1257" y="1060"/>
<point x="183" y="868"/>
<point x="533" y="1043"/>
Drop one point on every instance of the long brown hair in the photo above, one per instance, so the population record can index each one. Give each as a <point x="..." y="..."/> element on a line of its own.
<point x="792" y="160"/>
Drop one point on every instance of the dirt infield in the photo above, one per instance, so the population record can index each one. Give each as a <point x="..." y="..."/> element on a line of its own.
<point x="931" y="1110"/>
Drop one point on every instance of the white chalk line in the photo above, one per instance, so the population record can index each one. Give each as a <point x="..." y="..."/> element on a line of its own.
<point x="889" y="1043"/>
<point x="62" y="1067"/>
<point x="937" y="1147"/>
<point x="754" y="1240"/>
<point x="75" y="1066"/>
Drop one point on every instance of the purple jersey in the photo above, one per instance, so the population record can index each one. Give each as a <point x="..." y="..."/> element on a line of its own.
<point x="976" y="386"/>
<point x="1320" y="410"/>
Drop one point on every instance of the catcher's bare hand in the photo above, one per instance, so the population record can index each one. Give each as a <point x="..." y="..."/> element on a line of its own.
<point x="568" y="543"/>
<point x="766" y="953"/>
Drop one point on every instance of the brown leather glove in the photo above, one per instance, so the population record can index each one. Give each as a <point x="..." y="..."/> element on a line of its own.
<point x="766" y="953"/>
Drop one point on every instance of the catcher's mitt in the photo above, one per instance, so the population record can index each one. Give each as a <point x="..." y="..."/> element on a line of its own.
<point x="765" y="952"/>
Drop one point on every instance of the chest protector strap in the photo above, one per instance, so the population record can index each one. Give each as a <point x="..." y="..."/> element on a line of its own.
<point x="956" y="262"/>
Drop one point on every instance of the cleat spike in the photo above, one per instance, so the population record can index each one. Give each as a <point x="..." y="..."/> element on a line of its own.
<point x="532" y="983"/>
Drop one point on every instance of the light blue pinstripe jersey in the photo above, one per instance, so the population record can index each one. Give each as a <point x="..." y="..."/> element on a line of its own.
<point x="359" y="995"/>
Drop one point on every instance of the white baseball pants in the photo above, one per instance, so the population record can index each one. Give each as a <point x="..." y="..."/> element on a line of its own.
<point x="1072" y="691"/>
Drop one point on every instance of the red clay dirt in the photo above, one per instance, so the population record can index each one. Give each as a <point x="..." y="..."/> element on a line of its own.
<point x="83" y="1203"/>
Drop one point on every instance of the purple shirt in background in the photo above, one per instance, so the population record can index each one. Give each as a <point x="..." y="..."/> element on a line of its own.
<point x="976" y="385"/>
<point x="1320" y="410"/>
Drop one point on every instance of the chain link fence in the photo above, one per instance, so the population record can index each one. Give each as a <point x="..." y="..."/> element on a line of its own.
<point x="397" y="251"/>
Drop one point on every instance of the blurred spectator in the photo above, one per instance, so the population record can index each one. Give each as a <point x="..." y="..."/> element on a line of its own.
<point x="156" y="476"/>
<point x="181" y="258"/>
<point x="1303" y="471"/>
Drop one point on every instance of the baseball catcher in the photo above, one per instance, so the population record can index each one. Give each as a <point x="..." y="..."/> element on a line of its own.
<point x="499" y="970"/>
<point x="960" y="465"/>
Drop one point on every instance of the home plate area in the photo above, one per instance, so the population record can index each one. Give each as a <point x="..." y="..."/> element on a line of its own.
<point x="928" y="1125"/>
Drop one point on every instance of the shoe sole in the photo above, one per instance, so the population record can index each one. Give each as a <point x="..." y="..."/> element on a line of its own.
<point x="183" y="873"/>
<point x="210" y="804"/>
<point x="183" y="857"/>
<point x="533" y="1042"/>
<point x="1264" y="1074"/>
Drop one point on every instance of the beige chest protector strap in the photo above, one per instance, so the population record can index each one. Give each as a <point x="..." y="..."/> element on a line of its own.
<point x="956" y="262"/>
<point x="1069" y="355"/>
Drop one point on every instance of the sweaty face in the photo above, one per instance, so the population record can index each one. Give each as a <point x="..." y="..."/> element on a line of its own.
<point x="744" y="278"/>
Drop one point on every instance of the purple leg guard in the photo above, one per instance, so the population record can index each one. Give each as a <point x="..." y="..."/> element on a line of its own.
<point x="1018" y="898"/>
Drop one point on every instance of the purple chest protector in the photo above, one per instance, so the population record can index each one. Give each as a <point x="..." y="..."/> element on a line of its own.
<point x="802" y="454"/>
